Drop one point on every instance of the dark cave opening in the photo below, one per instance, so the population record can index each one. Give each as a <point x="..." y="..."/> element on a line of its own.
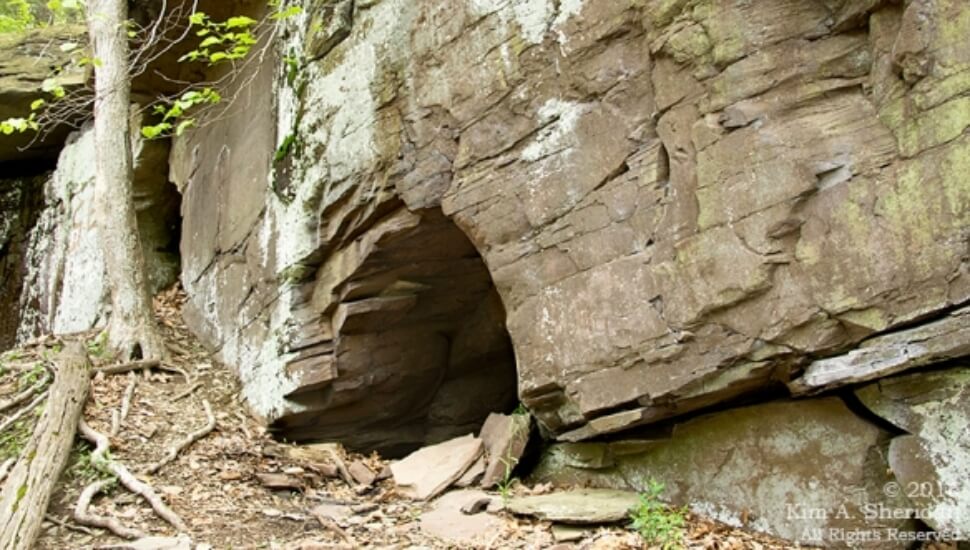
<point x="419" y="351"/>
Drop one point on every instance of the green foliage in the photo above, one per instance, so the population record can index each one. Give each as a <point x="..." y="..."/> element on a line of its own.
<point x="82" y="466"/>
<point x="228" y="40"/>
<point x="14" y="438"/>
<point x="656" y="523"/>
<point x="18" y="16"/>
<point x="171" y="113"/>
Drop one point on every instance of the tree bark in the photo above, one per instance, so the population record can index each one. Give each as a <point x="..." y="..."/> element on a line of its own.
<point x="131" y="329"/>
<point x="27" y="491"/>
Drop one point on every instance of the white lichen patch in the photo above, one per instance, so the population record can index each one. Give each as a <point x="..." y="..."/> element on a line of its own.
<point x="560" y="119"/>
<point x="532" y="18"/>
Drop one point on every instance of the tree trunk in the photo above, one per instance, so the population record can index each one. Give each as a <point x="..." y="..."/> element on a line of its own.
<point x="131" y="329"/>
<point x="27" y="490"/>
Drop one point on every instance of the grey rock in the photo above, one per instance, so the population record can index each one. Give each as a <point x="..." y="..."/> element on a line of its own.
<point x="932" y="466"/>
<point x="787" y="468"/>
<point x="577" y="507"/>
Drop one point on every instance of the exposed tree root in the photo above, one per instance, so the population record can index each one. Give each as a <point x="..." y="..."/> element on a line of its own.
<point x="83" y="517"/>
<point x="27" y="491"/>
<point x="187" y="392"/>
<point x="26" y="394"/>
<point x="118" y="417"/>
<point x="173" y="452"/>
<point x="123" y="368"/>
<point x="66" y="525"/>
<point x="102" y="461"/>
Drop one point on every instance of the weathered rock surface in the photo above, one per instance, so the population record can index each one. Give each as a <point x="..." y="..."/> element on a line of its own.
<point x="677" y="203"/>
<point x="800" y="470"/>
<point x="25" y="62"/>
<point x="579" y="507"/>
<point x="20" y="205"/>
<point x="64" y="288"/>
<point x="446" y="520"/>
<point x="932" y="465"/>
<point x="928" y="344"/>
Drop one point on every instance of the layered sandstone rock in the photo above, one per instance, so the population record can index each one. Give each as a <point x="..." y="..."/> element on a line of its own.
<point x="678" y="204"/>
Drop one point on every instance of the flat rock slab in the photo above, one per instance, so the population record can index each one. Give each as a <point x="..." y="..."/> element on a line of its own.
<point x="580" y="507"/>
<point x="932" y="465"/>
<point x="427" y="472"/>
<point x="154" y="543"/>
<point x="446" y="521"/>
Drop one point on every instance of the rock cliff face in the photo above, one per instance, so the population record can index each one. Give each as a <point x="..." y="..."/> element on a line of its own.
<point x="678" y="203"/>
<point x="622" y="214"/>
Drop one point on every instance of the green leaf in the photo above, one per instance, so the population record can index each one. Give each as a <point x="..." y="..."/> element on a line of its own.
<point x="184" y="125"/>
<point x="217" y="57"/>
<point x="239" y="22"/>
<point x="37" y="104"/>
<point x="198" y="18"/>
<point x="211" y="41"/>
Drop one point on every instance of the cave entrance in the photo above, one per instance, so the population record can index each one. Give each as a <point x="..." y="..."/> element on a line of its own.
<point x="419" y="350"/>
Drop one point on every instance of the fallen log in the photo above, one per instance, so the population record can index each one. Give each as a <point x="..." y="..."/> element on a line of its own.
<point x="27" y="491"/>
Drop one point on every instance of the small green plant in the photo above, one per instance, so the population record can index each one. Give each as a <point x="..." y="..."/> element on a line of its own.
<point x="508" y="482"/>
<point x="14" y="438"/>
<point x="657" y="523"/>
<point x="82" y="467"/>
<point x="520" y="409"/>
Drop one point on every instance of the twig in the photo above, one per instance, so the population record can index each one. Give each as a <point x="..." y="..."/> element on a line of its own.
<point x="66" y="525"/>
<point x="329" y="523"/>
<point x="82" y="516"/>
<point x="19" y="414"/>
<point x="173" y="452"/>
<point x="185" y="393"/>
<point x="112" y="466"/>
<point x="25" y="395"/>
<point x="5" y="468"/>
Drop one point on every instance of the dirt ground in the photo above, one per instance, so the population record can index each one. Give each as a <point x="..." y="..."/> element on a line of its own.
<point x="214" y="484"/>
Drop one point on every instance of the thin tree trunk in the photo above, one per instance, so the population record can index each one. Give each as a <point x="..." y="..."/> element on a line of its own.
<point x="132" y="326"/>
<point x="27" y="491"/>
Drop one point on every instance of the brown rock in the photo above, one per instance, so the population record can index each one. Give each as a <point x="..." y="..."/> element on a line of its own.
<point x="280" y="481"/>
<point x="505" y="438"/>
<point x="427" y="472"/>
<point x="361" y="473"/>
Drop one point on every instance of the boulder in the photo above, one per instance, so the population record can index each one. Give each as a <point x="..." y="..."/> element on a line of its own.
<point x="504" y="438"/>
<point x="932" y="465"/>
<point x="807" y="471"/>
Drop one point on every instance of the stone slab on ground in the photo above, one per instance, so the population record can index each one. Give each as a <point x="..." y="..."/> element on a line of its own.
<point x="428" y="471"/>
<point x="577" y="507"/>
<point x="446" y="520"/>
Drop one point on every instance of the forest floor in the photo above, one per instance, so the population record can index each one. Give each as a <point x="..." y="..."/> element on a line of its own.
<point x="218" y="484"/>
